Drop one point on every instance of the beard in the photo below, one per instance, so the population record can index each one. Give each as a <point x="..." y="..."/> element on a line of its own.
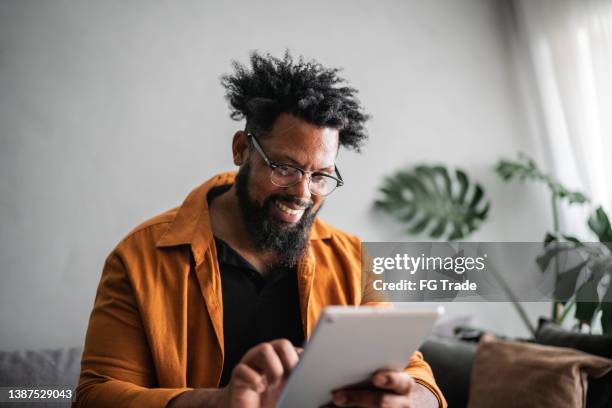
<point x="288" y="242"/>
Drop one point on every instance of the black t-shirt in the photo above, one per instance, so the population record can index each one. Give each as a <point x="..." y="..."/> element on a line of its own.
<point x="255" y="308"/>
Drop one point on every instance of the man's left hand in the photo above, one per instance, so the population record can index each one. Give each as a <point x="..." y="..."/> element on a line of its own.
<point x="394" y="389"/>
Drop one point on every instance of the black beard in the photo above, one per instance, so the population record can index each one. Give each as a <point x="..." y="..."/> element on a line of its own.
<point x="287" y="242"/>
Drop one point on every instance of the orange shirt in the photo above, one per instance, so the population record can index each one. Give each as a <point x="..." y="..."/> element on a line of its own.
<point x="156" y="329"/>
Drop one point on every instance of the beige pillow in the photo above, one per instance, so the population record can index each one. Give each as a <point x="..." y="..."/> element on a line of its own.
<point x="513" y="374"/>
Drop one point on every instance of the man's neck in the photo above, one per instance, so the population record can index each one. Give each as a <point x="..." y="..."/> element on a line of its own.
<point x="228" y="224"/>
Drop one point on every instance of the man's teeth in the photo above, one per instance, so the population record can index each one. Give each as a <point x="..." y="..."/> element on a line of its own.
<point x="288" y="210"/>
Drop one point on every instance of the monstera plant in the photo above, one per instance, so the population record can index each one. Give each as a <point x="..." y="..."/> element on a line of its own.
<point x="428" y="199"/>
<point x="586" y="286"/>
<point x="599" y="223"/>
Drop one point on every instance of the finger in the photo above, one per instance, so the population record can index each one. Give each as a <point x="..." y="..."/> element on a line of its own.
<point x="367" y="399"/>
<point x="299" y="351"/>
<point x="244" y="376"/>
<point x="264" y="359"/>
<point x="287" y="354"/>
<point x="397" y="381"/>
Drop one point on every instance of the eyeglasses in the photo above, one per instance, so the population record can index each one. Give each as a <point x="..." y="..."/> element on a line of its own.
<point x="286" y="175"/>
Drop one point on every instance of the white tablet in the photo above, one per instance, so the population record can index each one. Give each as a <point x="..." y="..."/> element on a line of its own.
<point x="349" y="344"/>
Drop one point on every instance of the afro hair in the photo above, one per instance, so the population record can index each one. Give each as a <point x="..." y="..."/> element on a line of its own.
<point x="306" y="89"/>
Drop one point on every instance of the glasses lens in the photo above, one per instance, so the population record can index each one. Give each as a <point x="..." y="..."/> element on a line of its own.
<point x="322" y="185"/>
<point x="285" y="176"/>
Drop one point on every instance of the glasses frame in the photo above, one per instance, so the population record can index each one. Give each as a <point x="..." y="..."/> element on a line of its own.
<point x="273" y="165"/>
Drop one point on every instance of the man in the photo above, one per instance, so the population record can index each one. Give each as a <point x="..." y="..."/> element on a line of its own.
<point x="206" y="305"/>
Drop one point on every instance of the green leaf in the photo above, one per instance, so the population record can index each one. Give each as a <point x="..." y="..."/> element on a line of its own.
<point x="420" y="225"/>
<point x="478" y="194"/>
<point x="575" y="197"/>
<point x="552" y="248"/>
<point x="599" y="223"/>
<point x="443" y="173"/>
<point x="439" y="229"/>
<point x="573" y="239"/>
<point x="585" y="306"/>
<point x="482" y="214"/>
<point x="566" y="282"/>
<point x="408" y="215"/>
<point x="463" y="185"/>
<point x="457" y="234"/>
<point x="525" y="169"/>
<point x="550" y="238"/>
<point x="428" y="200"/>
<point x="544" y="260"/>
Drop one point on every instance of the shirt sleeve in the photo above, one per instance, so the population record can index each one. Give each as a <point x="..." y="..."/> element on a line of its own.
<point x="422" y="374"/>
<point x="117" y="368"/>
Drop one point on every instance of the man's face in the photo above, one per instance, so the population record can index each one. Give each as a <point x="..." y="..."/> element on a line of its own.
<point x="279" y="218"/>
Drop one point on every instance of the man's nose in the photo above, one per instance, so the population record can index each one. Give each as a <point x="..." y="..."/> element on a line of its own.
<point x="300" y="189"/>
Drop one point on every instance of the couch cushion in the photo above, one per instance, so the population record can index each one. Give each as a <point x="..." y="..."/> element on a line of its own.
<point x="451" y="362"/>
<point x="512" y="374"/>
<point x="53" y="368"/>
<point x="599" y="394"/>
<point x="42" y="367"/>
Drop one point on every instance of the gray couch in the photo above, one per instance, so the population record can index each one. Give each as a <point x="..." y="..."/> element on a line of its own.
<point x="58" y="369"/>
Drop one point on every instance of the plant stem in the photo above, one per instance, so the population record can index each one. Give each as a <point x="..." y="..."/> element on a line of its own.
<point x="555" y="212"/>
<point x="567" y="308"/>
<point x="555" y="215"/>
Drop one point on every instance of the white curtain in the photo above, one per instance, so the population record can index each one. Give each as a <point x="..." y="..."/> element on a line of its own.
<point x="565" y="49"/>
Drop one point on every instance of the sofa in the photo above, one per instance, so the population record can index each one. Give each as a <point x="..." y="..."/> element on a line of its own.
<point x="53" y="368"/>
<point x="451" y="360"/>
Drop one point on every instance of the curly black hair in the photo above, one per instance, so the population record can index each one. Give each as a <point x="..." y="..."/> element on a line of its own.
<point x="306" y="89"/>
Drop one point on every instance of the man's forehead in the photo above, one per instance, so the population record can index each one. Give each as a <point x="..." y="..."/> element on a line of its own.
<point x="316" y="149"/>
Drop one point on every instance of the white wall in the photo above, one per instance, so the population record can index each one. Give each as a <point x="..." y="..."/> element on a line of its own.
<point x="111" y="112"/>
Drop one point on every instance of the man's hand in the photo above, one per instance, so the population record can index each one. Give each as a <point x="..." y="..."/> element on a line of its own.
<point x="394" y="389"/>
<point x="260" y="376"/>
<point x="256" y="381"/>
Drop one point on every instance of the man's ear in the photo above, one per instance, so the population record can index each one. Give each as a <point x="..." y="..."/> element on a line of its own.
<point x="240" y="147"/>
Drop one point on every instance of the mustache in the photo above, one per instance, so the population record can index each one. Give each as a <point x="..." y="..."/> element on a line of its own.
<point x="306" y="204"/>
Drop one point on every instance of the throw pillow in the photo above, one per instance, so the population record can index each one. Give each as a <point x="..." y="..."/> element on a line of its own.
<point x="511" y="374"/>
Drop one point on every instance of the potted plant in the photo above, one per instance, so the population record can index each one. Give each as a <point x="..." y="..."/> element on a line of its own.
<point x="585" y="288"/>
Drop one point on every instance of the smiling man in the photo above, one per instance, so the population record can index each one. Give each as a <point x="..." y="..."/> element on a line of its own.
<point x="207" y="305"/>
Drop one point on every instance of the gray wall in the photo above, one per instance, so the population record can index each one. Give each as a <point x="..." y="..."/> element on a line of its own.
<point x="111" y="112"/>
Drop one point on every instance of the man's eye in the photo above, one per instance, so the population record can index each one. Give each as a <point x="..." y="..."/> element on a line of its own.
<point x="319" y="179"/>
<point x="285" y="171"/>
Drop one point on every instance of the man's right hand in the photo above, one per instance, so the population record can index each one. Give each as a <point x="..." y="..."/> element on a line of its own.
<point x="259" y="378"/>
<point x="256" y="381"/>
